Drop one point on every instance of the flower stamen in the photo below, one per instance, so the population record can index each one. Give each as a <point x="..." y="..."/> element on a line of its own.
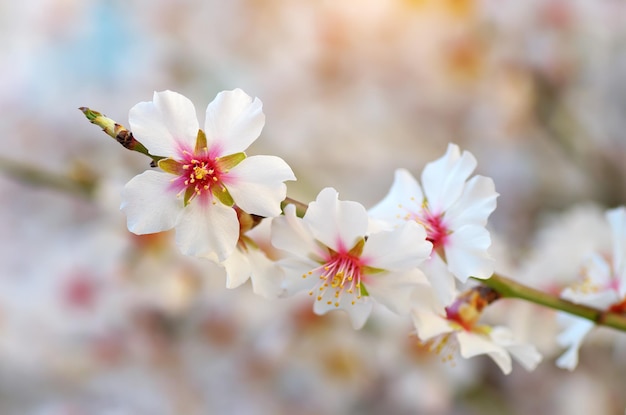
<point x="342" y="272"/>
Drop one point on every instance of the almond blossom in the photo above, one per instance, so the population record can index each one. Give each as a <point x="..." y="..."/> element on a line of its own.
<point x="454" y="211"/>
<point x="603" y="287"/>
<point x="205" y="173"/>
<point x="332" y="256"/>
<point x="456" y="330"/>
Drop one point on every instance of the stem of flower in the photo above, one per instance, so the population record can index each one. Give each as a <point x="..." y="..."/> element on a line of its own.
<point x="512" y="289"/>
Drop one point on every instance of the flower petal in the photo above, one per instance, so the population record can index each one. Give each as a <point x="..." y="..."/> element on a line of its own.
<point x="466" y="253"/>
<point x="443" y="179"/>
<point x="291" y="234"/>
<point x="267" y="278"/>
<point x="404" y="197"/>
<point x="257" y="184"/>
<point x="525" y="354"/>
<point x="233" y="121"/>
<point x="207" y="229"/>
<point x="472" y="344"/>
<point x="394" y="290"/>
<point x="601" y="299"/>
<point x="440" y="278"/>
<point x="166" y="125"/>
<point x="294" y="269"/>
<point x="238" y="269"/>
<point x="429" y="324"/>
<point x="252" y="264"/>
<point x="572" y="338"/>
<point x="148" y="203"/>
<point x="400" y="249"/>
<point x="337" y="224"/>
<point x="476" y="203"/>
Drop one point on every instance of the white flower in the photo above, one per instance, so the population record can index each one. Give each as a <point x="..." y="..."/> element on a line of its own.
<point x="453" y="209"/>
<point x="333" y="257"/>
<point x="456" y="330"/>
<point x="206" y="172"/>
<point x="603" y="287"/>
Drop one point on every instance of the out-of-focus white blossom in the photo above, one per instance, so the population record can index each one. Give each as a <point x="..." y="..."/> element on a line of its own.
<point x="603" y="287"/>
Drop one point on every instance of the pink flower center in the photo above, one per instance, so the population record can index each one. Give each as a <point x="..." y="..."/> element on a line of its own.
<point x="199" y="173"/>
<point x="436" y="231"/>
<point x="466" y="310"/>
<point x="462" y="314"/>
<point x="202" y="173"/>
<point x="341" y="273"/>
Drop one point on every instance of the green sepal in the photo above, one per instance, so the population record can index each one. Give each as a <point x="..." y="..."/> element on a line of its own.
<point x="170" y="165"/>
<point x="228" y="162"/>
<point x="372" y="270"/>
<point x="110" y="127"/>
<point x="90" y="114"/>
<point x="223" y="195"/>
<point x="357" y="249"/>
<point x="364" y="292"/>
<point x="189" y="193"/>
<point x="201" y="143"/>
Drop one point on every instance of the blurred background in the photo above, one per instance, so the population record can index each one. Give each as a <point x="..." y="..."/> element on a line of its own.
<point x="95" y="320"/>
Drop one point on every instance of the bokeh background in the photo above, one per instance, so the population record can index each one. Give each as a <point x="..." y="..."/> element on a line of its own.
<point x="95" y="320"/>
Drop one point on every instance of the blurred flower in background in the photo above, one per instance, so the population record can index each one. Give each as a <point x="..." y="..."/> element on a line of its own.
<point x="96" y="320"/>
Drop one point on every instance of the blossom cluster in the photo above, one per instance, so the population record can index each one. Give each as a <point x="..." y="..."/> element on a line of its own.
<point x="413" y="252"/>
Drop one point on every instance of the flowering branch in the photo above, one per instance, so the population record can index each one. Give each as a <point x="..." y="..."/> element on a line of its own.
<point x="411" y="252"/>
<point x="506" y="287"/>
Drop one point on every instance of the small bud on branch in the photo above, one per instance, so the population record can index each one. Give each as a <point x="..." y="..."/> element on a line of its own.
<point x="120" y="133"/>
